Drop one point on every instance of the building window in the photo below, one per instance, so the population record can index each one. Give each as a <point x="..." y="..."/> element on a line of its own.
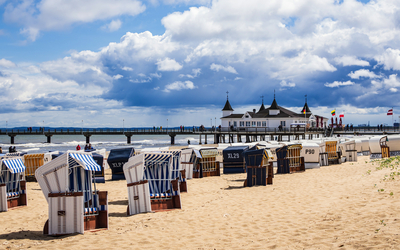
<point x="253" y="124"/>
<point x="235" y="124"/>
<point x="229" y="124"/>
<point x="241" y="124"/>
<point x="264" y="123"/>
<point x="258" y="124"/>
<point x="247" y="124"/>
<point x="247" y="116"/>
<point x="283" y="123"/>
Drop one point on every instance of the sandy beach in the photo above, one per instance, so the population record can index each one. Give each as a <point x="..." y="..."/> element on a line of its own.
<point x="339" y="206"/>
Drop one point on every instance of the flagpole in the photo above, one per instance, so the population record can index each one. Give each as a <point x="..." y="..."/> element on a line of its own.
<point x="392" y="116"/>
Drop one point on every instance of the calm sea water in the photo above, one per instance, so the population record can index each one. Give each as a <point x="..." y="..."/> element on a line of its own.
<point x="37" y="143"/>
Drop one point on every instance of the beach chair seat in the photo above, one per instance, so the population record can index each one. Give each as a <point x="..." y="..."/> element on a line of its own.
<point x="12" y="195"/>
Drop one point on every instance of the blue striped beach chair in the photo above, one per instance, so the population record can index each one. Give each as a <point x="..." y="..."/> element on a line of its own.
<point x="12" y="183"/>
<point x="75" y="204"/>
<point x="151" y="183"/>
<point x="178" y="172"/>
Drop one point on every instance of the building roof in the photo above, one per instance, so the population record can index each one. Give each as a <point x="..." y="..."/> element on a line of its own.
<point x="306" y="108"/>
<point x="227" y="106"/>
<point x="274" y="105"/>
<point x="262" y="107"/>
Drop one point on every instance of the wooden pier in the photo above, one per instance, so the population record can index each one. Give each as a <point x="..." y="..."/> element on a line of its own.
<point x="224" y="135"/>
<point x="219" y="136"/>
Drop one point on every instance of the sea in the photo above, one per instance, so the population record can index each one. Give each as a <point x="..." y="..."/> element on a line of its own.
<point x="38" y="143"/>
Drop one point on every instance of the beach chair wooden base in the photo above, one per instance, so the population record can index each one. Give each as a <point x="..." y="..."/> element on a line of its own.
<point x="256" y="176"/>
<point x="199" y="173"/>
<point x="66" y="214"/>
<point x="183" y="187"/>
<point x="385" y="151"/>
<point x="323" y="159"/>
<point x="351" y="155"/>
<point x="14" y="202"/>
<point x="270" y="173"/>
<point x="183" y="184"/>
<point x="166" y="204"/>
<point x="234" y="170"/>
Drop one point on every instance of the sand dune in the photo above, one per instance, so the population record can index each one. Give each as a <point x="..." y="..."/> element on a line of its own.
<point x="338" y="206"/>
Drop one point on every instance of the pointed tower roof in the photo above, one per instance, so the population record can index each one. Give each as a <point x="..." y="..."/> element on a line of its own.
<point x="274" y="105"/>
<point x="262" y="105"/>
<point x="227" y="106"/>
<point x="308" y="111"/>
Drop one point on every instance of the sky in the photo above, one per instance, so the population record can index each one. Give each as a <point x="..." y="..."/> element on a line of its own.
<point x="144" y="63"/>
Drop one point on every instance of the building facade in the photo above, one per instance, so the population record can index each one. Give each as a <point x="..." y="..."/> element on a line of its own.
<point x="273" y="117"/>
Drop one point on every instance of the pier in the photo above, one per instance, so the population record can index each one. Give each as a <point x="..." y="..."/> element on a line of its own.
<point x="219" y="136"/>
<point x="223" y="135"/>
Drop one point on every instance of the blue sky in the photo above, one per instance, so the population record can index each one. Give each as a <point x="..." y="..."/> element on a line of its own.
<point x="143" y="62"/>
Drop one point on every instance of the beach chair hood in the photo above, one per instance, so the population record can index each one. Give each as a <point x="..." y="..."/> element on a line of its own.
<point x="14" y="165"/>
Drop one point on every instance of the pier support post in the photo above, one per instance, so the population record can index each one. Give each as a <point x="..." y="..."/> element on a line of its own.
<point x="128" y="139"/>
<point x="205" y="139"/>
<point x="11" y="138"/>
<point x="200" y="140"/>
<point x="238" y="138"/>
<point x="87" y="138"/>
<point x="216" y="138"/>
<point x="48" y="138"/>
<point x="247" y="139"/>
<point x="172" y="135"/>
<point x="223" y="138"/>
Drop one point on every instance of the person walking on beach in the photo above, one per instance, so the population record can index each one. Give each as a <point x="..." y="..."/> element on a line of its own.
<point x="78" y="148"/>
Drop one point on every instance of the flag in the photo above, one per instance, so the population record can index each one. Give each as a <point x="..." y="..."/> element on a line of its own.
<point x="390" y="112"/>
<point x="341" y="115"/>
<point x="333" y="112"/>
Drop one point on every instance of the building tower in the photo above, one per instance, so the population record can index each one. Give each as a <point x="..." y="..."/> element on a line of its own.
<point x="227" y="110"/>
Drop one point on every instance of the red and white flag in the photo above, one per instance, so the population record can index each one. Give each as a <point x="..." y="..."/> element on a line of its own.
<point x="390" y="112"/>
<point x="341" y="115"/>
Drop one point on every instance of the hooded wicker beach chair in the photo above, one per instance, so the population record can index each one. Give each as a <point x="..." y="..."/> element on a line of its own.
<point x="259" y="168"/>
<point x="12" y="183"/>
<point x="150" y="182"/>
<point x="205" y="162"/>
<point x="289" y="159"/>
<point x="116" y="160"/>
<point x="75" y="205"/>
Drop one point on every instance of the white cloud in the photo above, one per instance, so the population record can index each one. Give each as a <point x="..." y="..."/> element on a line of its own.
<point x="338" y="84"/>
<point x="217" y="67"/>
<point x="156" y="75"/>
<point x="178" y="85"/>
<point x="6" y="63"/>
<point x="283" y="83"/>
<point x="168" y="65"/>
<point x="390" y="59"/>
<point x="127" y="68"/>
<point x="363" y="73"/>
<point x="48" y="15"/>
<point x="394" y="90"/>
<point x="116" y="77"/>
<point x="113" y="25"/>
<point x="195" y="73"/>
<point x="392" y="81"/>
<point x="351" y="61"/>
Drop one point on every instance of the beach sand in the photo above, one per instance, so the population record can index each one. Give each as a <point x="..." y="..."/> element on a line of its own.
<point x="332" y="207"/>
